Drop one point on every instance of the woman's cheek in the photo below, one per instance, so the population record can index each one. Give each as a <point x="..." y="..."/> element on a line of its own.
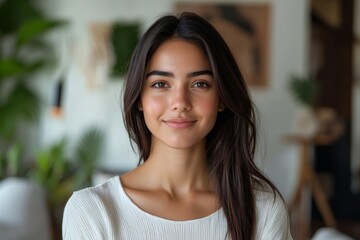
<point x="152" y="104"/>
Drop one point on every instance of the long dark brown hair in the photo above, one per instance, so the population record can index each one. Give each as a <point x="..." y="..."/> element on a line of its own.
<point x="231" y="143"/>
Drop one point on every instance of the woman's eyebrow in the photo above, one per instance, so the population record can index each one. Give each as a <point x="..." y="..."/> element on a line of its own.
<point x="160" y="73"/>
<point x="170" y="74"/>
<point x="198" y="73"/>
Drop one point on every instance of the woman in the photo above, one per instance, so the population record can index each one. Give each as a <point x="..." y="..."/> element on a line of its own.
<point x="188" y="110"/>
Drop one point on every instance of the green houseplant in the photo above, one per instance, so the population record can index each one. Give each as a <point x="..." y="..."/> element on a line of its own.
<point x="60" y="175"/>
<point x="304" y="90"/>
<point x="24" y="52"/>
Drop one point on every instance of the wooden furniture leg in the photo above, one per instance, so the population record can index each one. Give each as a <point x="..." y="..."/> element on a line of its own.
<point x="300" y="202"/>
<point x="321" y="202"/>
<point x="309" y="183"/>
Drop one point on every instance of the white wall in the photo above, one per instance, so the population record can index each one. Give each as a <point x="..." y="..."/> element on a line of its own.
<point x="289" y="54"/>
<point x="85" y="107"/>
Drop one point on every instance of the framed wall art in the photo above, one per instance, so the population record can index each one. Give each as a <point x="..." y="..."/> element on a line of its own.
<point x="245" y="28"/>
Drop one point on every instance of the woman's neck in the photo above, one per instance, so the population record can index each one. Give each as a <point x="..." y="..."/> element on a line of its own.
<point x="177" y="171"/>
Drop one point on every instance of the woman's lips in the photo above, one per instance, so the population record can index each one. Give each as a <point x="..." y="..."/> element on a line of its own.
<point x="180" y="123"/>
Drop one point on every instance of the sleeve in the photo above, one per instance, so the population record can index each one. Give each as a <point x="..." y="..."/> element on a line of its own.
<point x="273" y="220"/>
<point x="82" y="219"/>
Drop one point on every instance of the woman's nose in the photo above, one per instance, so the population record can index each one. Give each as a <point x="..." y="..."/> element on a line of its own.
<point x="181" y="100"/>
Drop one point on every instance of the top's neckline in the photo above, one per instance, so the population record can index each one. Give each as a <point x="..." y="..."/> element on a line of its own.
<point x="131" y="203"/>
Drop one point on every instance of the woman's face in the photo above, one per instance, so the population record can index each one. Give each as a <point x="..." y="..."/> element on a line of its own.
<point x="179" y="98"/>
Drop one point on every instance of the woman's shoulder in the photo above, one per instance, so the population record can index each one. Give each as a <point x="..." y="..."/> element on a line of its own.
<point x="87" y="211"/>
<point x="268" y="198"/>
<point x="272" y="214"/>
<point x="95" y="196"/>
<point x="110" y="184"/>
<point x="264" y="191"/>
<point x="269" y="201"/>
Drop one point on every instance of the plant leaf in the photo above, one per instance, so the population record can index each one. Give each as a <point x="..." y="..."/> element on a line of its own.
<point x="304" y="90"/>
<point x="63" y="191"/>
<point x="11" y="67"/>
<point x="14" y="160"/>
<point x="22" y="104"/>
<point x="89" y="146"/>
<point x="87" y="152"/>
<point x="33" y="28"/>
<point x="3" y="165"/>
<point x="40" y="46"/>
<point x="14" y="12"/>
<point x="38" y="65"/>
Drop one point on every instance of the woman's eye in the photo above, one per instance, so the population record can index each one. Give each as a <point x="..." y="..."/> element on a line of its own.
<point x="201" y="85"/>
<point x="159" y="85"/>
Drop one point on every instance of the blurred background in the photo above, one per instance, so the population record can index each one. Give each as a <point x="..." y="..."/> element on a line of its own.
<point x="62" y="66"/>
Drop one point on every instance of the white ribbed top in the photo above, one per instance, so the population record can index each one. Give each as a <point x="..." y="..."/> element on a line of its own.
<point x="106" y="212"/>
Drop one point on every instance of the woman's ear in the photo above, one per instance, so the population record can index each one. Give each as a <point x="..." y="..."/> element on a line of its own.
<point x="139" y="106"/>
<point x="221" y="107"/>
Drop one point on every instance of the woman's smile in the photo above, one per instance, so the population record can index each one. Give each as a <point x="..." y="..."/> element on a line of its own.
<point x="180" y="123"/>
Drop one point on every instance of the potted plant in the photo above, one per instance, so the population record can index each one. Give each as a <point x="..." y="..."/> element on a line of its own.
<point x="304" y="90"/>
